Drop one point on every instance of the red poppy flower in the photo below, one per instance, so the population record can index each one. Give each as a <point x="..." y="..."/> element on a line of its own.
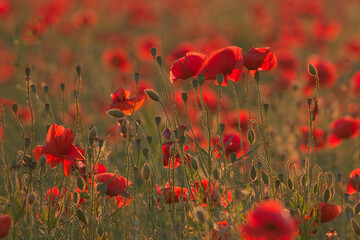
<point x="227" y="61"/>
<point x="5" y="225"/>
<point x="59" y="148"/>
<point x="123" y="201"/>
<point x="116" y="185"/>
<point x="326" y="71"/>
<point x="54" y="195"/>
<point x="188" y="66"/>
<point x="117" y="59"/>
<point x="122" y="101"/>
<point x="232" y="145"/>
<point x="143" y="45"/>
<point x="325" y="31"/>
<point x="328" y="212"/>
<point x="167" y="193"/>
<point x="351" y="188"/>
<point x="170" y="155"/>
<point x="343" y="128"/>
<point x="355" y="83"/>
<point x="84" y="18"/>
<point x="231" y="119"/>
<point x="260" y="59"/>
<point x="220" y="231"/>
<point x="269" y="221"/>
<point x="319" y="137"/>
<point x="204" y="187"/>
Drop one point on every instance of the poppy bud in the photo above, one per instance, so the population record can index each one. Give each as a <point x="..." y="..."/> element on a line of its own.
<point x="31" y="198"/>
<point x="266" y="107"/>
<point x="5" y="225"/>
<point x="265" y="178"/>
<point x="78" y="70"/>
<point x="146" y="172"/>
<point x="46" y="89"/>
<point x="101" y="143"/>
<point x="152" y="94"/>
<point x="42" y="161"/>
<point x="15" y="107"/>
<point x="92" y="133"/>
<point x="326" y="195"/>
<point x="253" y="173"/>
<point x="357" y="208"/>
<point x="159" y="60"/>
<point x="195" y="83"/>
<point x="201" y="79"/>
<point x="80" y="183"/>
<point x="220" y="78"/>
<point x="251" y="136"/>
<point x="184" y="97"/>
<point x="167" y="133"/>
<point x="312" y="70"/>
<point x="76" y="197"/>
<point x="222" y="127"/>
<point x="355" y="226"/>
<point x="81" y="216"/>
<point x="157" y="120"/>
<point x="27" y="73"/>
<point x="309" y="101"/>
<point x="194" y="164"/>
<point x="136" y="77"/>
<point x="200" y="215"/>
<point x="115" y="113"/>
<point x="62" y="86"/>
<point x="33" y="88"/>
<point x="47" y="107"/>
<point x="153" y="52"/>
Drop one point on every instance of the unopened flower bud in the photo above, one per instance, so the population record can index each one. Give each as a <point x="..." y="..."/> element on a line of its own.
<point x="220" y="78"/>
<point x="153" y="52"/>
<point x="46" y="88"/>
<point x="136" y="77"/>
<point x="184" y="97"/>
<point x="157" y="120"/>
<point x="152" y="94"/>
<point x="115" y="113"/>
<point x="200" y="215"/>
<point x="31" y="198"/>
<point x="201" y="79"/>
<point x="146" y="172"/>
<point x="15" y="107"/>
<point x="78" y="70"/>
<point x="312" y="70"/>
<point x="62" y="86"/>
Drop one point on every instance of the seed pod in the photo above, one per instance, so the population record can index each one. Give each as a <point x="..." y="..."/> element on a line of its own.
<point x="222" y="127"/>
<point x="33" y="88"/>
<point x="266" y="107"/>
<point x="201" y="79"/>
<point x="81" y="216"/>
<point x="216" y="174"/>
<point x="251" y="136"/>
<point x="281" y="177"/>
<point x="152" y="95"/>
<point x="146" y="172"/>
<point x="153" y="52"/>
<point x="62" y="86"/>
<point x="233" y="157"/>
<point x="277" y="183"/>
<point x="15" y="107"/>
<point x="115" y="113"/>
<point x="194" y="163"/>
<point x="146" y="153"/>
<point x="149" y="139"/>
<point x="200" y="215"/>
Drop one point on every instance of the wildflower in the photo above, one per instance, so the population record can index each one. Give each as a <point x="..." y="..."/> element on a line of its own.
<point x="227" y="61"/>
<point x="188" y="66"/>
<point x="5" y="225"/>
<point x="354" y="186"/>
<point x="260" y="59"/>
<point x="269" y="221"/>
<point x="171" y="157"/>
<point x="232" y="144"/>
<point x="59" y="148"/>
<point x="355" y="83"/>
<point x="170" y="196"/>
<point x="122" y="101"/>
<point x="319" y="137"/>
<point x="84" y="18"/>
<point x="220" y="231"/>
<point x="206" y="189"/>
<point x="327" y="212"/>
<point x="115" y="184"/>
<point x="343" y="128"/>
<point x="117" y="59"/>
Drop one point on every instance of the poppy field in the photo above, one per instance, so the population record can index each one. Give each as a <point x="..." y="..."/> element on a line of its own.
<point x="193" y="119"/>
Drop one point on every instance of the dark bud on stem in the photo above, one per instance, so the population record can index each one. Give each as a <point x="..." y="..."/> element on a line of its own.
<point x="201" y="79"/>
<point x="222" y="127"/>
<point x="27" y="73"/>
<point x="157" y="120"/>
<point x="146" y="172"/>
<point x="46" y="89"/>
<point x="62" y="86"/>
<point x="136" y="77"/>
<point x="101" y="143"/>
<point x="309" y="101"/>
<point x="312" y="70"/>
<point x="15" y="107"/>
<point x="195" y="83"/>
<point x="159" y="60"/>
<point x="266" y="107"/>
<point x="184" y="97"/>
<point x="153" y="52"/>
<point x="31" y="198"/>
<point x="78" y="70"/>
<point x="47" y="107"/>
<point x="33" y="88"/>
<point x="220" y="78"/>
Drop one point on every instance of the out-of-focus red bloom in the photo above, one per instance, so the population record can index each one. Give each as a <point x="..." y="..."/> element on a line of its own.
<point x="122" y="101"/>
<point x="5" y="7"/>
<point x="351" y="188"/>
<point x="188" y="66"/>
<point x="220" y="231"/>
<point x="117" y="59"/>
<point x="5" y="225"/>
<point x="211" y="99"/>
<point x="171" y="157"/>
<point x="51" y="11"/>
<point x="355" y="83"/>
<point x="343" y="128"/>
<point x="326" y="71"/>
<point x="260" y="59"/>
<point x="328" y="212"/>
<point x="180" y="51"/>
<point x="116" y="185"/>
<point x="352" y="47"/>
<point x="232" y="144"/>
<point x="84" y="18"/>
<point x="167" y="193"/>
<point x="286" y="60"/>
<point x="123" y="201"/>
<point x="54" y="195"/>
<point x="205" y="187"/>
<point x="227" y="61"/>
<point x="143" y="45"/>
<point x="269" y="221"/>
<point x="319" y="138"/>
<point x="232" y="120"/>
<point x="59" y="148"/>
<point x="32" y="31"/>
<point x="325" y="31"/>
